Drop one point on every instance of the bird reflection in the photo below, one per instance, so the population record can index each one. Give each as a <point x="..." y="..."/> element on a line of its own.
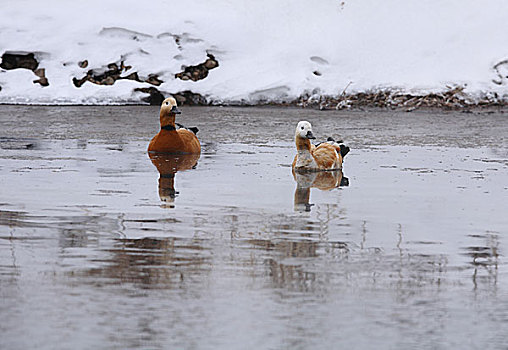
<point x="484" y="256"/>
<point x="168" y="165"/>
<point x="323" y="180"/>
<point x="151" y="263"/>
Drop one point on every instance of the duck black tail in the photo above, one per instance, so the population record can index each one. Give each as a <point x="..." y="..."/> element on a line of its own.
<point x="344" y="150"/>
<point x="331" y="139"/>
<point x="193" y="129"/>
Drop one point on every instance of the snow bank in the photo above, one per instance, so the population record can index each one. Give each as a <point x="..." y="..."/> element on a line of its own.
<point x="267" y="50"/>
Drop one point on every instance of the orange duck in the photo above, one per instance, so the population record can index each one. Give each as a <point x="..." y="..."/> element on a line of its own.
<point x="326" y="156"/>
<point x="170" y="139"/>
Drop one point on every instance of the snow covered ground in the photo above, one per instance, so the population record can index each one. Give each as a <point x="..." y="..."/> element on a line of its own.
<point x="266" y="49"/>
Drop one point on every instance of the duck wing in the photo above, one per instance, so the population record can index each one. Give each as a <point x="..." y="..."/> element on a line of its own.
<point x="326" y="156"/>
<point x="342" y="149"/>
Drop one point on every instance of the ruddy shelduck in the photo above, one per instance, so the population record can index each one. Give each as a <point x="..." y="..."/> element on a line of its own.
<point x="170" y="139"/>
<point x="326" y="156"/>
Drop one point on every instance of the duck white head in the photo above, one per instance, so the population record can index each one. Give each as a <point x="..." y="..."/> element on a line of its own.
<point x="304" y="130"/>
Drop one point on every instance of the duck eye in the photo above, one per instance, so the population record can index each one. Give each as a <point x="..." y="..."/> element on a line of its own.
<point x="302" y="128"/>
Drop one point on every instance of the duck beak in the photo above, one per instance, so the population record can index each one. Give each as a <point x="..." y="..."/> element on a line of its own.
<point x="310" y="135"/>
<point x="175" y="110"/>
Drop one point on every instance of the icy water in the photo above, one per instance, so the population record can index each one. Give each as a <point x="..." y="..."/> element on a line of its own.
<point x="100" y="250"/>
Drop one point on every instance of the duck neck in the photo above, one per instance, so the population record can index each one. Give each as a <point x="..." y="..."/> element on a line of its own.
<point x="167" y="121"/>
<point x="304" y="156"/>
<point x="302" y="144"/>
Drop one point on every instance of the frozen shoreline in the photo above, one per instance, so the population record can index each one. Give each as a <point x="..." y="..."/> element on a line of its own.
<point x="378" y="100"/>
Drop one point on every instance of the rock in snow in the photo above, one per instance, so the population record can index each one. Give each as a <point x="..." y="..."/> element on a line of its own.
<point x="219" y="51"/>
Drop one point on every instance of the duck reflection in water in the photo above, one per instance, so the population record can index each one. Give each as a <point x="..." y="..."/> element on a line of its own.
<point x="168" y="165"/>
<point x="323" y="180"/>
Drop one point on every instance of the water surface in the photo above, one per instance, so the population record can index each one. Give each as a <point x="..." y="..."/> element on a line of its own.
<point x="98" y="250"/>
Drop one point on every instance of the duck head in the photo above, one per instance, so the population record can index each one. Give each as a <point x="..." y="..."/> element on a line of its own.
<point x="169" y="110"/>
<point x="304" y="130"/>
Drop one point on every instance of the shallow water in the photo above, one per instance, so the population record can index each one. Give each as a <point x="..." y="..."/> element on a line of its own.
<point x="97" y="252"/>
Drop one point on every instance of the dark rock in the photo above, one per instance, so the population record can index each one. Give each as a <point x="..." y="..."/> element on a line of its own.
<point x="113" y="68"/>
<point x="124" y="67"/>
<point x="155" y="98"/>
<point x="154" y="80"/>
<point x="83" y="64"/>
<point x="43" y="81"/>
<point x="189" y="98"/>
<point x="79" y="82"/>
<point x="132" y="76"/>
<point x="21" y="60"/>
<point x="40" y="72"/>
<point x="200" y="71"/>
<point x="24" y="61"/>
<point x="107" y="77"/>
<point x="211" y="63"/>
<point x="110" y="80"/>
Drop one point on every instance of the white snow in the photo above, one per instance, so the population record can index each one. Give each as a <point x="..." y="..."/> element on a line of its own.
<point x="266" y="49"/>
